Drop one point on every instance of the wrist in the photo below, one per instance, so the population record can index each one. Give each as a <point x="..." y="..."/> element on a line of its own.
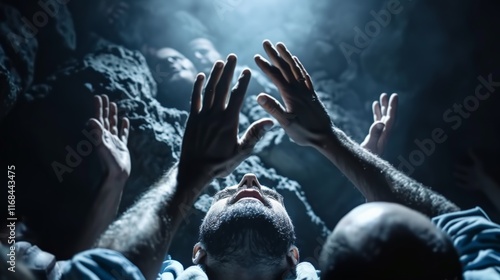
<point x="115" y="179"/>
<point x="193" y="175"/>
<point x="327" y="140"/>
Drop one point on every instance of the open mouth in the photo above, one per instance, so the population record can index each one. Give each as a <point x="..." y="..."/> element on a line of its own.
<point x="252" y="194"/>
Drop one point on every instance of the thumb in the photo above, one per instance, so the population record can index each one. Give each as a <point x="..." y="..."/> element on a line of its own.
<point x="374" y="134"/>
<point x="254" y="133"/>
<point x="376" y="130"/>
<point x="274" y="108"/>
<point x="95" y="126"/>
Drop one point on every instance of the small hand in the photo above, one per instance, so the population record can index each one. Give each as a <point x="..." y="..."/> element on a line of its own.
<point x="304" y="118"/>
<point x="384" y="116"/>
<point x="211" y="144"/>
<point x="112" y="147"/>
<point x="470" y="176"/>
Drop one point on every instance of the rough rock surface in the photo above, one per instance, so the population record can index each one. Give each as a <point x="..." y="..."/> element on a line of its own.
<point x="17" y="58"/>
<point x="431" y="54"/>
<point x="154" y="142"/>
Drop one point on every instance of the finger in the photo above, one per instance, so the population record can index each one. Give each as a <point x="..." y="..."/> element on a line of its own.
<point x="196" y="96"/>
<point x="371" y="141"/>
<point x="97" y="127"/>
<point x="222" y="89"/>
<point x="392" y="109"/>
<point x="271" y="71"/>
<point x="377" y="114"/>
<point x="98" y="108"/>
<point x="376" y="130"/>
<point x="105" y="111"/>
<point x="274" y="108"/>
<point x="278" y="61"/>
<point x="287" y="56"/>
<point x="309" y="83"/>
<point x="238" y="93"/>
<point x="384" y="103"/>
<point x="254" y="133"/>
<point x="113" y="118"/>
<point x="208" y="96"/>
<point x="124" y="131"/>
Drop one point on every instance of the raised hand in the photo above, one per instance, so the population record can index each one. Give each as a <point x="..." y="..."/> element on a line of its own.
<point x="384" y="116"/>
<point x="471" y="176"/>
<point x="304" y="118"/>
<point x="112" y="147"/>
<point x="211" y="144"/>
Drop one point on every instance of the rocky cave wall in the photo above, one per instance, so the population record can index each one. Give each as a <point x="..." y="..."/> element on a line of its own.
<point x="430" y="53"/>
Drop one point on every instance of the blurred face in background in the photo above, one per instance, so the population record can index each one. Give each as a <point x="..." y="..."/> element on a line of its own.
<point x="204" y="54"/>
<point x="175" y="75"/>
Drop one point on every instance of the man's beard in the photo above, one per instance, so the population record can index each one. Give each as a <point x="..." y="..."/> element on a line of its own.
<point x="247" y="232"/>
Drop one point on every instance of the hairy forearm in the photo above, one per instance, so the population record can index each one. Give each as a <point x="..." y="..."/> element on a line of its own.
<point x="144" y="232"/>
<point x="103" y="211"/>
<point x="377" y="180"/>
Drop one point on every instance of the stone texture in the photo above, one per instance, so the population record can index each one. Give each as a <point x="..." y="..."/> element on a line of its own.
<point x="17" y="58"/>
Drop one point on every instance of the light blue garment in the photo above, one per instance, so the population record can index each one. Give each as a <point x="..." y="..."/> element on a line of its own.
<point x="477" y="240"/>
<point x="100" y="264"/>
<point x="173" y="270"/>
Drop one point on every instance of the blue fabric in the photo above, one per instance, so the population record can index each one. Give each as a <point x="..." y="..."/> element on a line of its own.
<point x="477" y="240"/>
<point x="100" y="264"/>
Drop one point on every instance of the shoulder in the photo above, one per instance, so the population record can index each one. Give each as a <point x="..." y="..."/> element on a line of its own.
<point x="477" y="240"/>
<point x="100" y="264"/>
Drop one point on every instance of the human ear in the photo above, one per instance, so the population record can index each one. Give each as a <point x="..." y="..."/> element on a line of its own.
<point x="199" y="253"/>
<point x="293" y="255"/>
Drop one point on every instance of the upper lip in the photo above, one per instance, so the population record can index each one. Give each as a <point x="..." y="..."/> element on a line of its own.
<point x="248" y="192"/>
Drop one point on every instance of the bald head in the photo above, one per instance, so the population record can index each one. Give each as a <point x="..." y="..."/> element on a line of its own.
<point x="388" y="241"/>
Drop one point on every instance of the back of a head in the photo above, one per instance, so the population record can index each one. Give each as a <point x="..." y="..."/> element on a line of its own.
<point x="388" y="241"/>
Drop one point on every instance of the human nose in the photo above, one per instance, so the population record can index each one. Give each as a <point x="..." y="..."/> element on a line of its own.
<point x="249" y="180"/>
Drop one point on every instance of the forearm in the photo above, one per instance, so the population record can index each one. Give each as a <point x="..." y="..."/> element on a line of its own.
<point x="102" y="212"/>
<point x="377" y="180"/>
<point x="144" y="232"/>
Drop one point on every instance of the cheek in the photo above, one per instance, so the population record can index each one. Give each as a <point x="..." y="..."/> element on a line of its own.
<point x="217" y="207"/>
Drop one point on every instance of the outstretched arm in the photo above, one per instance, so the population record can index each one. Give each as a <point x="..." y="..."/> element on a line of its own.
<point x="476" y="177"/>
<point x="306" y="122"/>
<point x="384" y="116"/>
<point x="210" y="148"/>
<point x="114" y="155"/>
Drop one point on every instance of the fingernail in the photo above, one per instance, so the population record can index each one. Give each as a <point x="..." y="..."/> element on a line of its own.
<point x="380" y="126"/>
<point x="261" y="100"/>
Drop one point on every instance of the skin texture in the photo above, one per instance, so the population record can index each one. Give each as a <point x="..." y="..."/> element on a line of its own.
<point x="232" y="258"/>
<point x="114" y="155"/>
<point x="384" y="117"/>
<point x="306" y="122"/>
<point x="389" y="241"/>
<point x="211" y="148"/>
<point x="204" y="54"/>
<point x="174" y="74"/>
